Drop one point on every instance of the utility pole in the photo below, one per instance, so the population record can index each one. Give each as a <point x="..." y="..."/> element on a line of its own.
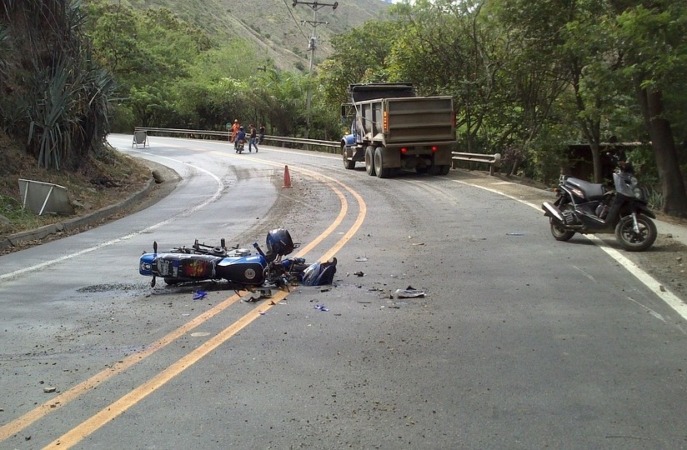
<point x="312" y="45"/>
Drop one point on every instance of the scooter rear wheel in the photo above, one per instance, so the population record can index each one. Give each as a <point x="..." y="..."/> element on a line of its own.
<point x="559" y="233"/>
<point x="636" y="242"/>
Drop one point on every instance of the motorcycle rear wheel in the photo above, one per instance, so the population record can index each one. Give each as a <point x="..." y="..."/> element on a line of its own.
<point x="636" y="242"/>
<point x="559" y="233"/>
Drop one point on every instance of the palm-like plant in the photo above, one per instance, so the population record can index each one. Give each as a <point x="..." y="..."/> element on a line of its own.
<point x="61" y="98"/>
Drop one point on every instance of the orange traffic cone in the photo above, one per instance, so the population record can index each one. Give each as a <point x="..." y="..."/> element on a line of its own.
<point x="287" y="177"/>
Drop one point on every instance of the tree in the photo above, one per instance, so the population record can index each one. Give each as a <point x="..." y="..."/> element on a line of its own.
<point x="655" y="41"/>
<point x="446" y="49"/>
<point x="359" y="56"/>
<point x="148" y="52"/>
<point x="56" y="97"/>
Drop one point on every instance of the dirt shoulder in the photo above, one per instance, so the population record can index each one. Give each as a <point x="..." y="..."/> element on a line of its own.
<point x="100" y="195"/>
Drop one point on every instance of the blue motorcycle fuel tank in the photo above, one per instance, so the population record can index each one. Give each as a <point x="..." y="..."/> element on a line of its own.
<point x="249" y="270"/>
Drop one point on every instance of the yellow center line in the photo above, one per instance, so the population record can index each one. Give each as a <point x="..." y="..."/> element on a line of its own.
<point x="356" y="225"/>
<point x="117" y="408"/>
<point x="109" y="413"/>
<point x="68" y="396"/>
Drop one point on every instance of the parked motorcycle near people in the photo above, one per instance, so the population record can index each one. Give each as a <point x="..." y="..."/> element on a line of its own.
<point x="591" y="208"/>
<point x="241" y="269"/>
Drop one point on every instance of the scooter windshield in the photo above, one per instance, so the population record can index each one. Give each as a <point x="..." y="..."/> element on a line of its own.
<point x="624" y="183"/>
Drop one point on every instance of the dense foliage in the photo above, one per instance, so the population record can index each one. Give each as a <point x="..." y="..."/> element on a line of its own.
<point x="528" y="78"/>
<point x="53" y="95"/>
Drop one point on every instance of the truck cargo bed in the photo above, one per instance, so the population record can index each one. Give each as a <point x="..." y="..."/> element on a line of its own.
<point x="409" y="120"/>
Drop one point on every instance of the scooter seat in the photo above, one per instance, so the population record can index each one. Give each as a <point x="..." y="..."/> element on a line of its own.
<point x="592" y="190"/>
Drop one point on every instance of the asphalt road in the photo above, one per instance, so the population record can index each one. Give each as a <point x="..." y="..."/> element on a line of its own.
<point x="519" y="342"/>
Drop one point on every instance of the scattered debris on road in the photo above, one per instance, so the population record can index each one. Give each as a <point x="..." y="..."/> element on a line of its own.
<point x="409" y="292"/>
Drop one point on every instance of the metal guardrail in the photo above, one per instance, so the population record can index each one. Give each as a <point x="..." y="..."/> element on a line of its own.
<point x="494" y="160"/>
<point x="309" y="144"/>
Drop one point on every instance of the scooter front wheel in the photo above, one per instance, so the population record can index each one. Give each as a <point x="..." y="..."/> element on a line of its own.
<point x="633" y="241"/>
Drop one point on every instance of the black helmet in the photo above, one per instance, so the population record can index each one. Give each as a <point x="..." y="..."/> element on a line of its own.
<point x="279" y="242"/>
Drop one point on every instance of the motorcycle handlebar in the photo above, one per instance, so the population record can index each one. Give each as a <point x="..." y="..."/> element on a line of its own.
<point x="258" y="249"/>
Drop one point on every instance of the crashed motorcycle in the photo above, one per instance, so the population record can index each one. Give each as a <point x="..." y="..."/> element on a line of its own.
<point x="238" y="267"/>
<point x="591" y="208"/>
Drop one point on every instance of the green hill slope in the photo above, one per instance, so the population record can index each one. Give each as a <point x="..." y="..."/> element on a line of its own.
<point x="279" y="30"/>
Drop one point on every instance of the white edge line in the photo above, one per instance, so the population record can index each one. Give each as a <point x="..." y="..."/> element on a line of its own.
<point x="44" y="264"/>
<point x="650" y="282"/>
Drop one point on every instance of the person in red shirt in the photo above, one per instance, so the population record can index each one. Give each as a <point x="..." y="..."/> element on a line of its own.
<point x="234" y="129"/>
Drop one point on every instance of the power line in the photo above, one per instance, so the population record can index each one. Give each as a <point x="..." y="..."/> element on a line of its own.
<point x="312" y="44"/>
<point x="294" y="19"/>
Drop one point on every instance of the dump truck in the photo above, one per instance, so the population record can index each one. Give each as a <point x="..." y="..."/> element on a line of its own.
<point x="392" y="129"/>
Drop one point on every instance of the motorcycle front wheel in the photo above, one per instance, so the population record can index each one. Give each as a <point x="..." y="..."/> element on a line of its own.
<point x="632" y="241"/>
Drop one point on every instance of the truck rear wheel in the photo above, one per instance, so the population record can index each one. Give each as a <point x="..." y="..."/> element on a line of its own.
<point x="382" y="172"/>
<point x="369" y="160"/>
<point x="348" y="164"/>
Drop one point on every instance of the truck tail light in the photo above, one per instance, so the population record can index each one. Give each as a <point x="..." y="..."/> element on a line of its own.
<point x="435" y="149"/>
<point x="385" y="122"/>
<point x="404" y="150"/>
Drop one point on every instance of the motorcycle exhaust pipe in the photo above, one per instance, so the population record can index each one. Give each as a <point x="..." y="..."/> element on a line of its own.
<point x="552" y="211"/>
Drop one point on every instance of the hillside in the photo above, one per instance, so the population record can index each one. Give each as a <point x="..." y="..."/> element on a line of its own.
<point x="275" y="26"/>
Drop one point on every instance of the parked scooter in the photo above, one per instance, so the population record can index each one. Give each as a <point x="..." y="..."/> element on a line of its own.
<point x="591" y="208"/>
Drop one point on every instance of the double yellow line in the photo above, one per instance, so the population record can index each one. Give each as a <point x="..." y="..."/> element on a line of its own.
<point x="115" y="409"/>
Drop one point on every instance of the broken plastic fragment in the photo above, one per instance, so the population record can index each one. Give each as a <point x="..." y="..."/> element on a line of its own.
<point x="321" y="307"/>
<point x="409" y="292"/>
<point x="199" y="295"/>
<point x="361" y="259"/>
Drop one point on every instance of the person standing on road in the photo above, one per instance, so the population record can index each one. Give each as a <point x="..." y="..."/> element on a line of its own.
<point x="253" y="138"/>
<point x="234" y="130"/>
<point x="261" y="134"/>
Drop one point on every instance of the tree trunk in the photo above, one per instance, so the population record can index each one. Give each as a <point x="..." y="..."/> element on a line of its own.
<point x="663" y="145"/>
<point x="596" y="161"/>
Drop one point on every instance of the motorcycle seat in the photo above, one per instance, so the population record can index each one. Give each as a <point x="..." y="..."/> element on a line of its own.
<point x="591" y="190"/>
